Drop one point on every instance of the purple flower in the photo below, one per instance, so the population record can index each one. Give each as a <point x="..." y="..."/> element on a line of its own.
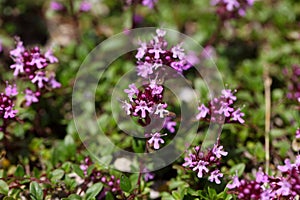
<point x="235" y="183"/>
<point x="237" y="116"/>
<point x="37" y="60"/>
<point x="189" y="161"/>
<point x="30" y="97"/>
<point x="17" y="52"/>
<point x="53" y="83"/>
<point x="284" y="189"/>
<point x="85" y="6"/>
<point x="141" y="50"/>
<point x="149" y="3"/>
<point x="49" y="55"/>
<point x="157" y="50"/>
<point x="231" y="4"/>
<point x="143" y="108"/>
<point x="298" y="133"/>
<point x="161" y="111"/>
<point x="56" y="6"/>
<point x="214" y="176"/>
<point x="168" y="124"/>
<point x="201" y="167"/>
<point x="228" y="94"/>
<point x="160" y="32"/>
<point x="9" y="112"/>
<point x="11" y="90"/>
<point x="155" y="140"/>
<point x="178" y="52"/>
<point x="286" y="167"/>
<point x="228" y="9"/>
<point x="1" y="47"/>
<point x="132" y="91"/>
<point x="218" y="151"/>
<point x="156" y="89"/>
<point x="127" y="107"/>
<point x="18" y="66"/>
<point x="225" y="109"/>
<point x="40" y="78"/>
<point x="203" y="112"/>
<point x="144" y="69"/>
<point x="261" y="177"/>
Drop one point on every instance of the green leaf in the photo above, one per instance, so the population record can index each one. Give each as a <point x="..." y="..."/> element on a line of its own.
<point x="239" y="168"/>
<point x="36" y="191"/>
<point x="57" y="175"/>
<point x="8" y="198"/>
<point x="73" y="197"/>
<point x="109" y="196"/>
<point x="78" y="171"/>
<point x="19" y="171"/>
<point x="1" y="173"/>
<point x="3" y="187"/>
<point x="92" y="192"/>
<point x="125" y="184"/>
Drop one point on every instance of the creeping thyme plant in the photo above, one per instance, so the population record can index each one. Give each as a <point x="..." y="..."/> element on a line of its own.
<point x="246" y="142"/>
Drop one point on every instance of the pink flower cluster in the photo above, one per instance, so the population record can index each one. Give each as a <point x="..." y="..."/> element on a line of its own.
<point x="7" y="110"/>
<point x="228" y="9"/>
<point x="111" y="182"/>
<point x="85" y="6"/>
<point x="146" y="103"/>
<point x="298" y="133"/>
<point x="149" y="3"/>
<point x="286" y="186"/>
<point x="221" y="109"/>
<point x="206" y="163"/>
<point x="293" y="76"/>
<point x="154" y="57"/>
<point x="30" y="64"/>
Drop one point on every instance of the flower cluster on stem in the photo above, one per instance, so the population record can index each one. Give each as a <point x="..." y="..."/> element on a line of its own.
<point x="154" y="57"/>
<point x="30" y="65"/>
<point x="110" y="182"/>
<point x="206" y="163"/>
<point x="221" y="110"/>
<point x="149" y="3"/>
<point x="293" y="76"/>
<point x="284" y="186"/>
<point x="228" y="9"/>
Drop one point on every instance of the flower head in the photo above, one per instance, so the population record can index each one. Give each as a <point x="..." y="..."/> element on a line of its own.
<point x="156" y="140"/>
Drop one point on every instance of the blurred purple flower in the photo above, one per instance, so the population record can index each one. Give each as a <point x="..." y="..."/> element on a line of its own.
<point x="149" y="3"/>
<point x="56" y="6"/>
<point x="85" y="6"/>
<point x="156" y="140"/>
<point x="30" y="97"/>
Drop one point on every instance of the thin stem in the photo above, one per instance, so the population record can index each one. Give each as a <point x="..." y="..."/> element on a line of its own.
<point x="267" y="85"/>
<point x="215" y="34"/>
<point x="133" y="10"/>
<point x="75" y="21"/>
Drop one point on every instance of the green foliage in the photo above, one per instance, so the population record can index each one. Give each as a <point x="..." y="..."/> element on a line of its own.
<point x="42" y="155"/>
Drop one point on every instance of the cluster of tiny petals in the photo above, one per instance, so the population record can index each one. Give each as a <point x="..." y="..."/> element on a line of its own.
<point x="221" y="109"/>
<point x="7" y="110"/>
<point x="84" y="6"/>
<point x="298" y="133"/>
<point x="228" y="9"/>
<point x="145" y="101"/>
<point x="111" y="182"/>
<point x="155" y="56"/>
<point x="149" y="3"/>
<point x="30" y="64"/>
<point x="285" y="186"/>
<point x="293" y="75"/>
<point x="206" y="163"/>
